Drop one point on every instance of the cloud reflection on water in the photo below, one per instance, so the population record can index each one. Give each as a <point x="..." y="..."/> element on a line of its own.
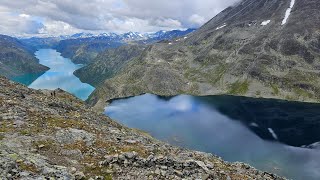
<point x="60" y="75"/>
<point x="184" y="121"/>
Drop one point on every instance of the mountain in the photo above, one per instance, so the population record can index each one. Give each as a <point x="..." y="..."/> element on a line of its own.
<point x="81" y="35"/>
<point x="132" y="36"/>
<point x="256" y="48"/>
<point x="84" y="47"/>
<point x="167" y="35"/>
<point x="58" y="137"/>
<point x="84" y="50"/>
<point x="42" y="42"/>
<point x="108" y="63"/>
<point x="16" y="59"/>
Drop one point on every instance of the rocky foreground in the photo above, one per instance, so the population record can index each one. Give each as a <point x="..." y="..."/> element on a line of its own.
<point x="46" y="134"/>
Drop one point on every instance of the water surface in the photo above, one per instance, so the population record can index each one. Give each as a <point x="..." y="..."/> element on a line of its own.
<point x="60" y="75"/>
<point x="256" y="131"/>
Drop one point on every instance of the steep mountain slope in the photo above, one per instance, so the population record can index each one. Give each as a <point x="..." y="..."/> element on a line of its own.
<point x="84" y="50"/>
<point x="108" y="63"/>
<point x="16" y="59"/>
<point x="58" y="137"/>
<point x="40" y="43"/>
<point x="268" y="48"/>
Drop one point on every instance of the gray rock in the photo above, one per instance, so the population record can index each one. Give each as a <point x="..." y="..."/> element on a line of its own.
<point x="131" y="155"/>
<point x="79" y="175"/>
<point x="69" y="136"/>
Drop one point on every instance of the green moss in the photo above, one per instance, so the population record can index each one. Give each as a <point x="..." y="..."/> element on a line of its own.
<point x="28" y="167"/>
<point x="108" y="177"/>
<point x="47" y="144"/>
<point x="217" y="74"/>
<point x="275" y="89"/>
<point x="14" y="156"/>
<point x="302" y="93"/>
<point x="239" y="88"/>
<point x="25" y="132"/>
<point x="289" y="98"/>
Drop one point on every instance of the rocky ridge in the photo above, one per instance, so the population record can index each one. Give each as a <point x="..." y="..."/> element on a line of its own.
<point x="245" y="50"/>
<point x="51" y="134"/>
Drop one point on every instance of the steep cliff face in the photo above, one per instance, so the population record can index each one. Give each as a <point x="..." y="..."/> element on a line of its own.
<point x="257" y="48"/>
<point x="53" y="135"/>
<point x="17" y="59"/>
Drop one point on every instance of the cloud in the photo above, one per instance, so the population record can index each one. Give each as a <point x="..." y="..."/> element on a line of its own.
<point x="21" y="24"/>
<point x="197" y="20"/>
<point x="68" y="16"/>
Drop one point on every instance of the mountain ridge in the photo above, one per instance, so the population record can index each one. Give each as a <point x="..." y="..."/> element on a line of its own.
<point x="85" y="47"/>
<point x="16" y="59"/>
<point x="244" y="50"/>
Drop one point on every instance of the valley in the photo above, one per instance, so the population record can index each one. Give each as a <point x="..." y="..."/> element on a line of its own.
<point x="210" y="101"/>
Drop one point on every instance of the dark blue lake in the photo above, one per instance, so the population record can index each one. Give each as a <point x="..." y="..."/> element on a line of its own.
<point x="60" y="75"/>
<point x="271" y="135"/>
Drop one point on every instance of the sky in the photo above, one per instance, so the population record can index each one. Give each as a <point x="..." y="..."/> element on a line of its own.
<point x="64" y="17"/>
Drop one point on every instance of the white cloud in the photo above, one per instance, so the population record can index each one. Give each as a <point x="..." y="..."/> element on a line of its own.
<point x="68" y="16"/>
<point x="58" y="28"/>
<point x="24" y="16"/>
<point x="197" y="20"/>
<point x="17" y="24"/>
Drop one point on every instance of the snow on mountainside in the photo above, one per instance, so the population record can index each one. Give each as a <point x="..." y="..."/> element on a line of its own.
<point x="135" y="36"/>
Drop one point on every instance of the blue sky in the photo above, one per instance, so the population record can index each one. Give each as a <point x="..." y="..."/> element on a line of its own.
<point x="61" y="17"/>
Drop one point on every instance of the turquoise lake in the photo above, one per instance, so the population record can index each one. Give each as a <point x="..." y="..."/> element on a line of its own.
<point x="60" y="75"/>
<point x="271" y="135"/>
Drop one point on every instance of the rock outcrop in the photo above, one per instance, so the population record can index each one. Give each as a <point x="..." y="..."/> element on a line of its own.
<point x="46" y="136"/>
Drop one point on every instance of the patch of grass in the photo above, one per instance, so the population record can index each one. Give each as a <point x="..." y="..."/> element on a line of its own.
<point x="25" y="132"/>
<point x="1" y="137"/>
<point x="81" y="145"/>
<point x="302" y="93"/>
<point x="289" y="98"/>
<point x="95" y="169"/>
<point x="28" y="167"/>
<point x="217" y="74"/>
<point x="275" y="89"/>
<point x="192" y="74"/>
<point x="6" y="126"/>
<point x="239" y="88"/>
<point x="67" y="123"/>
<point x="47" y="144"/>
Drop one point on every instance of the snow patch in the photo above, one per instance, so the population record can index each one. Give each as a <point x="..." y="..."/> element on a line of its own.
<point x="274" y="135"/>
<point x="264" y="23"/>
<point x="220" y="27"/>
<point x="253" y="124"/>
<point x="185" y="37"/>
<point x="288" y="12"/>
<point x="169" y="43"/>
